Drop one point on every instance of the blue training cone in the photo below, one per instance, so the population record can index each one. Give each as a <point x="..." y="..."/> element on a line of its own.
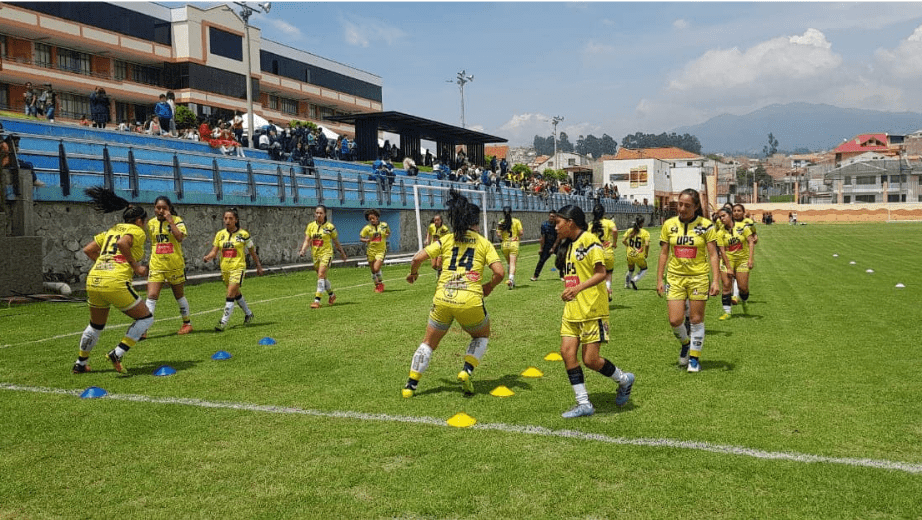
<point x="221" y="354"/>
<point x="93" y="392"/>
<point x="165" y="370"/>
<point x="267" y="341"/>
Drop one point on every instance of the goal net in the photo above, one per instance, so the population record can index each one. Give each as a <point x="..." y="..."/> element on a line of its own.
<point x="435" y="197"/>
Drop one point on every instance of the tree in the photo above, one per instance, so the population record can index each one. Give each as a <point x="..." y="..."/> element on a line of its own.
<point x="772" y="147"/>
<point x="563" y="143"/>
<point x="185" y="118"/>
<point x="686" y="142"/>
<point x="544" y="146"/>
<point x="607" y="145"/>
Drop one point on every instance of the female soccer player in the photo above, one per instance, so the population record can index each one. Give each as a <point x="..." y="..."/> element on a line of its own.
<point x="437" y="229"/>
<point x="739" y="215"/>
<point x="737" y="245"/>
<point x="637" y="242"/>
<point x="585" y="315"/>
<point x="167" y="263"/>
<point x="459" y="294"/>
<point x="510" y="232"/>
<point x="607" y="232"/>
<point x="233" y="242"/>
<point x="116" y="254"/>
<point x="688" y="243"/>
<point x="321" y="235"/>
<point x="375" y="235"/>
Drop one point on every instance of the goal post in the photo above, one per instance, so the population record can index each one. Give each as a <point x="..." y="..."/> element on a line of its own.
<point x="417" y="188"/>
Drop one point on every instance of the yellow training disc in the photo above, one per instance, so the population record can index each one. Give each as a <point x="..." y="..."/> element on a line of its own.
<point x="462" y="420"/>
<point x="553" y="356"/>
<point x="502" y="391"/>
<point x="532" y="372"/>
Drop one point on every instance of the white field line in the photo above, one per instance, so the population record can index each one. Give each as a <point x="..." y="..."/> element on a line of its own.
<point x="501" y="427"/>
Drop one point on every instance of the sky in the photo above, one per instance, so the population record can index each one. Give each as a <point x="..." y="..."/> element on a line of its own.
<point x="613" y="68"/>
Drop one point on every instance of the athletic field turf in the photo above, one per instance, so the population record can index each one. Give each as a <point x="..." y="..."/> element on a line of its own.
<point x="809" y="406"/>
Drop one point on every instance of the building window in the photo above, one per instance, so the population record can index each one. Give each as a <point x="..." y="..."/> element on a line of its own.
<point x="865" y="180"/>
<point x="274" y="102"/>
<point x="638" y="176"/>
<point x="571" y="162"/>
<point x="615" y="177"/>
<point x="73" y="106"/>
<point x="689" y="163"/>
<point x="897" y="179"/>
<point x="289" y="106"/>
<point x="145" y="75"/>
<point x="865" y="198"/>
<point x="225" y="44"/>
<point x="848" y="199"/>
<point x="848" y="180"/>
<point x="4" y="95"/>
<point x="313" y="111"/>
<point x="121" y="70"/>
<point x="73" y="61"/>
<point x="43" y="55"/>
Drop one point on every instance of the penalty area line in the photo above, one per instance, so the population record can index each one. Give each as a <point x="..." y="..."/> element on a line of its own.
<point x="721" y="449"/>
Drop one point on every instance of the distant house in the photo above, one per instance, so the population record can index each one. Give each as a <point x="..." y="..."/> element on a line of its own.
<point x="565" y="160"/>
<point x="876" y="180"/>
<point x="653" y="175"/>
<point x="500" y="152"/>
<point x="881" y="143"/>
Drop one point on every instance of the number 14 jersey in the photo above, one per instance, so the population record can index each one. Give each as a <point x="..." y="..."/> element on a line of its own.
<point x="463" y="263"/>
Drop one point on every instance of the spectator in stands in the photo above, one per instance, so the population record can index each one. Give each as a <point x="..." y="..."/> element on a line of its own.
<point x="48" y="101"/>
<point x="345" y="153"/>
<point x="503" y="166"/>
<point x="237" y="126"/>
<point x="29" y="99"/>
<point x="427" y="161"/>
<point x="410" y="166"/>
<point x="153" y="125"/>
<point x="164" y="114"/>
<point x="264" y="141"/>
<point x="322" y="142"/>
<point x="84" y="121"/>
<point x="615" y="195"/>
<point x="494" y="164"/>
<point x="99" y="107"/>
<point x="171" y="100"/>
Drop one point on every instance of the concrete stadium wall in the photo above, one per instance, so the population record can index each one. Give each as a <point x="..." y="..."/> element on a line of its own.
<point x="838" y="212"/>
<point x="277" y="232"/>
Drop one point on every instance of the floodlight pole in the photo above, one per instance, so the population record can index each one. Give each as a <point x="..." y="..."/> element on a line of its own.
<point x="463" y="78"/>
<point x="245" y="12"/>
<point x="554" y="121"/>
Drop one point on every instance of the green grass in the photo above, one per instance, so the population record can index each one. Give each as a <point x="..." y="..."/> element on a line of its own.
<point x="825" y="364"/>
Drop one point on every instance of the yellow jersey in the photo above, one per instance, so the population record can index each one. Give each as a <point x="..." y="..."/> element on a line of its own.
<point x="750" y="223"/>
<point x="321" y="238"/>
<point x="735" y="240"/>
<point x="583" y="255"/>
<point x="378" y="235"/>
<point x="233" y="248"/>
<point x="636" y="243"/>
<point x="688" y="245"/>
<point x="437" y="233"/>
<point x="606" y="234"/>
<point x="111" y="264"/>
<point x="166" y="251"/>
<point x="466" y="260"/>
<point x="513" y="234"/>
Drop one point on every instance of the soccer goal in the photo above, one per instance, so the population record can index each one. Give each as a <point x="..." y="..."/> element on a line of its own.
<point x="420" y="228"/>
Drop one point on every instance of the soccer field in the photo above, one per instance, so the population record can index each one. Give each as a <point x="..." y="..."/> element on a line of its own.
<point x="809" y="406"/>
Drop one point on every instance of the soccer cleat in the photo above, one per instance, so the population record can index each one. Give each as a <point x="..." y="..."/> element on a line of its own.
<point x="80" y="369"/>
<point x="624" y="389"/>
<point x="248" y="318"/>
<point x="185" y="329"/>
<point x="634" y="285"/>
<point x="579" y="410"/>
<point x="220" y="326"/>
<point x="534" y="278"/>
<point x="332" y="299"/>
<point x="510" y="284"/>
<point x="315" y="305"/>
<point x="726" y="316"/>
<point x="379" y="287"/>
<point x="467" y="386"/>
<point x="116" y="361"/>
<point x="694" y="365"/>
<point x="407" y="393"/>
<point x="143" y="337"/>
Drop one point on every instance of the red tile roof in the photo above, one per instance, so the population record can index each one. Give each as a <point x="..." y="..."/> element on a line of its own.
<point x="666" y="153"/>
<point x="864" y="143"/>
<point x="501" y="152"/>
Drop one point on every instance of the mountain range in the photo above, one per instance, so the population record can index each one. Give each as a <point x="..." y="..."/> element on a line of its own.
<point x="796" y="126"/>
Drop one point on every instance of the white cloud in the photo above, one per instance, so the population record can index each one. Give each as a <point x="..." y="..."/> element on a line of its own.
<point x="365" y="32"/>
<point x="776" y="63"/>
<point x="594" y="48"/>
<point x="680" y="24"/>
<point x="281" y="26"/>
<point x="905" y="61"/>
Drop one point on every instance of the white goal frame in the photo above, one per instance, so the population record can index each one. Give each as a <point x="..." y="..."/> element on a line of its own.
<point x="419" y="222"/>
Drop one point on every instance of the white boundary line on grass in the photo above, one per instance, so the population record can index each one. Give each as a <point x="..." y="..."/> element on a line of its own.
<point x="501" y="427"/>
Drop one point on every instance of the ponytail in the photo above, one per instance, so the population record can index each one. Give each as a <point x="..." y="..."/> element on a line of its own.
<point x="106" y="201"/>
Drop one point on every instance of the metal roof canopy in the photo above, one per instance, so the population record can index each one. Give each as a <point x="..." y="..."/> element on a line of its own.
<point x="412" y="130"/>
